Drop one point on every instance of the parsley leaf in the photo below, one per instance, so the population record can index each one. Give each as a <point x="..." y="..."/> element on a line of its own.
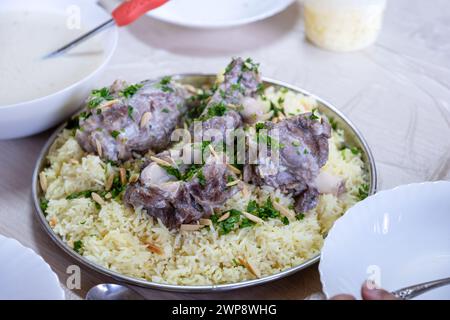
<point x="98" y="96"/>
<point x="363" y="191"/>
<point x="130" y="112"/>
<point x="43" y="203"/>
<point x="115" y="133"/>
<point x="313" y="115"/>
<point x="78" y="246"/>
<point x="164" y="84"/>
<point x="129" y="91"/>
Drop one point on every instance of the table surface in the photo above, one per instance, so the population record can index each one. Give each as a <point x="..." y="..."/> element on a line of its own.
<point x="397" y="92"/>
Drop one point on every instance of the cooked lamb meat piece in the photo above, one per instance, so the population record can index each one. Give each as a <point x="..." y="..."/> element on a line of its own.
<point x="241" y="80"/>
<point x="121" y="120"/>
<point x="170" y="202"/>
<point x="211" y="190"/>
<point x="181" y="202"/>
<point x="302" y="145"/>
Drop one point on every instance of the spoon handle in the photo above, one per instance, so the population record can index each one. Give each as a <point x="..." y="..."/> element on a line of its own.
<point x="418" y="289"/>
<point x="129" y="11"/>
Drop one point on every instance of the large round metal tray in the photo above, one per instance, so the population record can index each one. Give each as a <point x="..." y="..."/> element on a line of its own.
<point x="352" y="136"/>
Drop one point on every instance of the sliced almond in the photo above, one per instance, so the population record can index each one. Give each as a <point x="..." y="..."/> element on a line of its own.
<point x="160" y="161"/>
<point x="233" y="169"/>
<point x="205" y="222"/>
<point x="74" y="161"/>
<point x="99" y="148"/>
<point x="123" y="176"/>
<point x="191" y="227"/>
<point x="134" y="177"/>
<point x="153" y="248"/>
<point x="43" y="181"/>
<point x="213" y="152"/>
<point x="96" y="197"/>
<point x="145" y="119"/>
<point x="283" y="210"/>
<point x="190" y="88"/>
<point x="109" y="182"/>
<point x="232" y="183"/>
<point x="252" y="217"/>
<point x="53" y="221"/>
<point x="224" y="217"/>
<point x="251" y="268"/>
<point x="244" y="190"/>
<point x="108" y="104"/>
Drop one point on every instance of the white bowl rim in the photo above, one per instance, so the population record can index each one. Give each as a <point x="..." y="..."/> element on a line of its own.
<point x="353" y="210"/>
<point x="195" y="24"/>
<point x="106" y="59"/>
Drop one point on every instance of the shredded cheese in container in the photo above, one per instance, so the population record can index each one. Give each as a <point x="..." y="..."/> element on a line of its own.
<point x="343" y="25"/>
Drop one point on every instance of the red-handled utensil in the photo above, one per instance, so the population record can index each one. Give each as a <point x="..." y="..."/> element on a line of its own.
<point x="123" y="15"/>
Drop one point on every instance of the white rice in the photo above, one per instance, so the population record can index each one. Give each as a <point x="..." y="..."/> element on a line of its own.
<point x="115" y="236"/>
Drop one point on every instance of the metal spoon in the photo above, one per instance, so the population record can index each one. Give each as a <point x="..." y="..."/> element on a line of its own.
<point x="110" y="291"/>
<point x="418" y="289"/>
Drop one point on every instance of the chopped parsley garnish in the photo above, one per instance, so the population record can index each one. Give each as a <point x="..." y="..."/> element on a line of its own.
<point x="172" y="171"/>
<point x="117" y="187"/>
<point x="130" y="112"/>
<point x="164" y="84"/>
<point x="355" y="150"/>
<point x="98" y="96"/>
<point x="245" y="223"/>
<point x="333" y="123"/>
<point x="201" y="178"/>
<point x="363" y="191"/>
<point x="305" y="151"/>
<point x="230" y="223"/>
<point x="81" y="194"/>
<point x="237" y="87"/>
<point x="260" y="126"/>
<point x="313" y="115"/>
<point x="296" y="144"/>
<point x="285" y="220"/>
<point x="129" y="91"/>
<point x="249" y="65"/>
<point x="275" y="109"/>
<point x="191" y="172"/>
<point x="44" y="205"/>
<point x="115" y="134"/>
<point x="218" y="110"/>
<point x="197" y="104"/>
<point x="300" y="216"/>
<point x="260" y="89"/>
<point x="78" y="246"/>
<point x="223" y="94"/>
<point x="165" y="110"/>
<point x="280" y="101"/>
<point x="264" y="211"/>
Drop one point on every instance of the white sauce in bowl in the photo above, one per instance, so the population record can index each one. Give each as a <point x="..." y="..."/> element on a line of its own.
<point x="25" y="37"/>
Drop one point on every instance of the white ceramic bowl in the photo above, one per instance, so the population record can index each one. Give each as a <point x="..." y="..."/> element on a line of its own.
<point x="217" y="13"/>
<point x="25" y="275"/>
<point x="397" y="237"/>
<point x="30" y="117"/>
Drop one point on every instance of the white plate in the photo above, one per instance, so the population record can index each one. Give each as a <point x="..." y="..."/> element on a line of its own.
<point x="217" y="13"/>
<point x="25" y="275"/>
<point x="399" y="237"/>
